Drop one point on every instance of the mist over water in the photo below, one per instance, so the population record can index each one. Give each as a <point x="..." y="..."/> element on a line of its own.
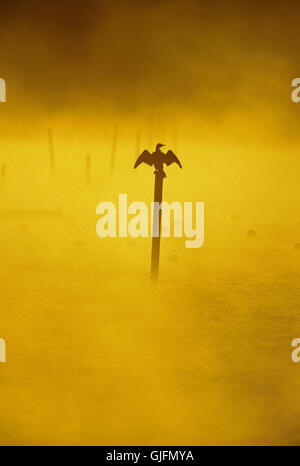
<point x="89" y="340"/>
<point x="95" y="355"/>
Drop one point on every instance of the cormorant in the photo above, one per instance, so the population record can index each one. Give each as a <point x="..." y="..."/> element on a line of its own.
<point x="158" y="158"/>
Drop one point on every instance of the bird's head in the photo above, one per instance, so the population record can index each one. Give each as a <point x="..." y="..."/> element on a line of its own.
<point x="158" y="146"/>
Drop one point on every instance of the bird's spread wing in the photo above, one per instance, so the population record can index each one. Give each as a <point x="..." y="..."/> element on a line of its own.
<point x="170" y="157"/>
<point x="145" y="157"/>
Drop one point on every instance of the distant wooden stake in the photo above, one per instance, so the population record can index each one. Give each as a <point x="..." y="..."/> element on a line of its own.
<point x="150" y="128"/>
<point x="3" y="174"/>
<point x="175" y="142"/>
<point x="88" y="170"/>
<point x="137" y="144"/>
<point x="158" y="190"/>
<point x="51" y="152"/>
<point x="114" y="151"/>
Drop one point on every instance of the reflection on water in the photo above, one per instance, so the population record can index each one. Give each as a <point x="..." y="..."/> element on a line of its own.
<point x="97" y="356"/>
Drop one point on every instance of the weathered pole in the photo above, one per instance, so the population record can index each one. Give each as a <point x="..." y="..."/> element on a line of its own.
<point x="113" y="151"/>
<point x="51" y="152"/>
<point x="156" y="225"/>
<point x="3" y="173"/>
<point x="137" y="144"/>
<point x="175" y="135"/>
<point x="88" y="169"/>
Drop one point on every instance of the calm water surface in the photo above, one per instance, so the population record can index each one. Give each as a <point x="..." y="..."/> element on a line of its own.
<point x="97" y="356"/>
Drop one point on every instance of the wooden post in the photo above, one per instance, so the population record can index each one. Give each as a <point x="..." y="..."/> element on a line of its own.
<point x="150" y="129"/>
<point x="156" y="225"/>
<point x="138" y="144"/>
<point x="3" y="173"/>
<point x="88" y="169"/>
<point x="113" y="151"/>
<point x="175" y="142"/>
<point x="51" y="152"/>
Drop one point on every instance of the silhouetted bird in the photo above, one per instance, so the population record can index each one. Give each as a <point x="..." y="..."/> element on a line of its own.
<point x="158" y="158"/>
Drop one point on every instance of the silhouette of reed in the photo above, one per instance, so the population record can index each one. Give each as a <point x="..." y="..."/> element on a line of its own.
<point x="88" y="169"/>
<point x="3" y="174"/>
<point x="150" y="129"/>
<point x="51" y="152"/>
<point x="113" y="151"/>
<point x="175" y="136"/>
<point x="137" y="145"/>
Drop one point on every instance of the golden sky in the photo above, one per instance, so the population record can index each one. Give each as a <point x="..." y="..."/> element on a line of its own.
<point x="211" y="79"/>
<point x="204" y="57"/>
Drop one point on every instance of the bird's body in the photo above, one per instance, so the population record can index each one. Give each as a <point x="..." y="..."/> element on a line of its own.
<point x="158" y="158"/>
